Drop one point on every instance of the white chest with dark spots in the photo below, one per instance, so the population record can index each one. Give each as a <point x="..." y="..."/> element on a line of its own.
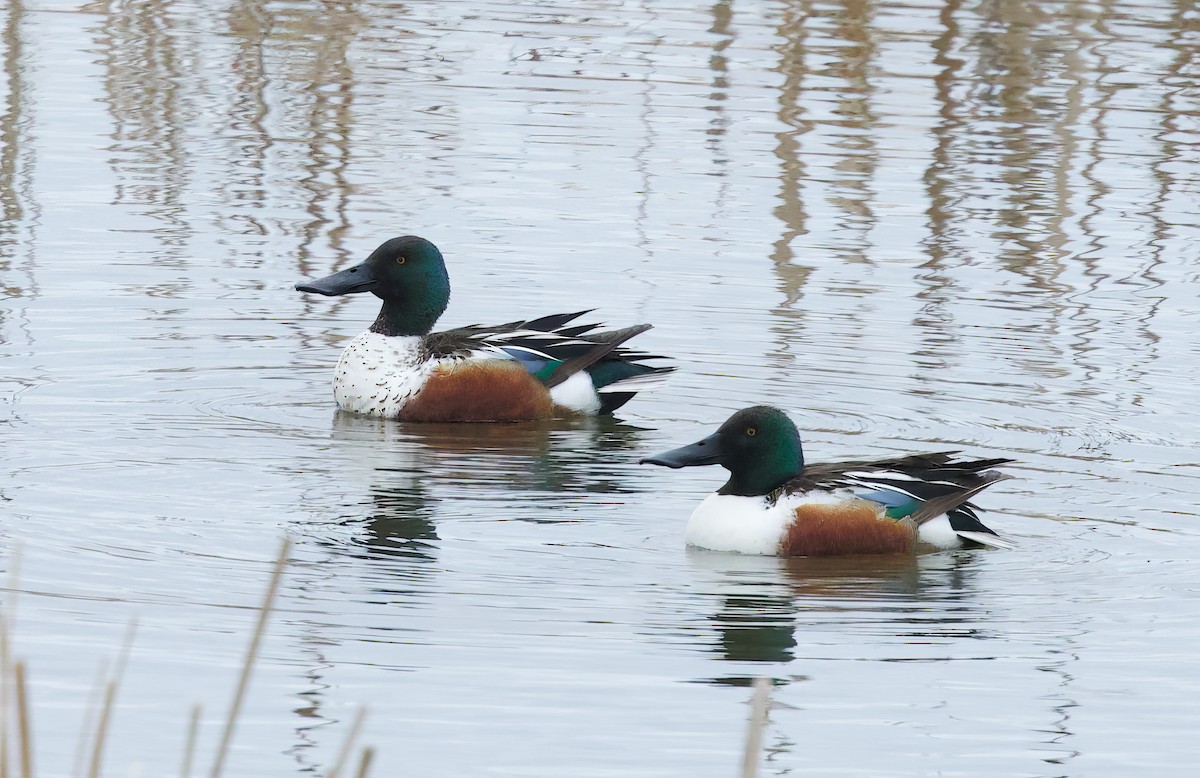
<point x="377" y="374"/>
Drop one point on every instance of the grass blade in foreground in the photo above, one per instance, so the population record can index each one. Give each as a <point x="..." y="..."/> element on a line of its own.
<point x="251" y="655"/>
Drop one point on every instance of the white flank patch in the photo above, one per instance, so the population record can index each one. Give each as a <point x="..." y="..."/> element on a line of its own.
<point x="938" y="532"/>
<point x="377" y="374"/>
<point x="577" y="394"/>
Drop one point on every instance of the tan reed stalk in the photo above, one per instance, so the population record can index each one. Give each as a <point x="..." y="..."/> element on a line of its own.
<point x="110" y="696"/>
<point x="759" y="704"/>
<point x="6" y="677"/>
<point x="368" y="754"/>
<point x="5" y="696"/>
<point x="351" y="736"/>
<point x="251" y="654"/>
<point x="24" y="730"/>
<point x="189" y="747"/>
<point x="91" y="713"/>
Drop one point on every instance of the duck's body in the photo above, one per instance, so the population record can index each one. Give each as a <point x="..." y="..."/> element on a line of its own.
<point x="522" y="370"/>
<point x="775" y="505"/>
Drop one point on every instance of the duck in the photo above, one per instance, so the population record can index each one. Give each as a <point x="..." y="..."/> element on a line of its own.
<point x="775" y="503"/>
<point x="549" y="367"/>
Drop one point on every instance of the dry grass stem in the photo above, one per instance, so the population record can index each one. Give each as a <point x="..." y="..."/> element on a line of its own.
<point x="110" y="696"/>
<point x="251" y="654"/>
<point x="344" y="755"/>
<point x="5" y="695"/>
<point x="24" y="728"/>
<point x="759" y="704"/>
<point x="91" y="712"/>
<point x="189" y="746"/>
<point x="368" y="754"/>
<point x="16" y="720"/>
<point x="6" y="677"/>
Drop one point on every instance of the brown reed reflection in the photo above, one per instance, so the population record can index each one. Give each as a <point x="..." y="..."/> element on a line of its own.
<point x="846" y="139"/>
<point x="792" y="34"/>
<point x="792" y="276"/>
<point x="1010" y="95"/>
<point x="857" y="132"/>
<point x="718" y="126"/>
<point x="15" y="148"/>
<point x="146" y="65"/>
<point x="289" y="79"/>
<point x="19" y="211"/>
<point x="328" y="31"/>
<point x="1173" y="168"/>
<point x="247" y="188"/>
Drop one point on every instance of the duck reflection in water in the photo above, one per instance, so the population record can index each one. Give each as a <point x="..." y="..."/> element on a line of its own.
<point x="410" y="468"/>
<point x="767" y="603"/>
<point x="400" y="523"/>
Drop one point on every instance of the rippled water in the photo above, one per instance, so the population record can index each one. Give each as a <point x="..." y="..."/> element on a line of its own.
<point x="915" y="225"/>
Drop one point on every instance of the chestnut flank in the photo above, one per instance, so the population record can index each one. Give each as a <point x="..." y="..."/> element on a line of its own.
<point x="852" y="527"/>
<point x="480" y="390"/>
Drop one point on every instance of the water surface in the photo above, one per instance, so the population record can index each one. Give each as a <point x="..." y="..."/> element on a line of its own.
<point x="914" y="225"/>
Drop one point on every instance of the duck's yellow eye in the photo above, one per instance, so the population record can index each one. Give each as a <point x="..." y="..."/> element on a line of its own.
<point x="751" y="431"/>
<point x="401" y="260"/>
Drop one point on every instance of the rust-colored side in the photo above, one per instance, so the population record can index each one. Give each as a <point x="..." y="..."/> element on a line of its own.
<point x="480" y="390"/>
<point x="852" y="527"/>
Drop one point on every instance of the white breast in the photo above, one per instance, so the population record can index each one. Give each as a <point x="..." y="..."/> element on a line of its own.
<point x="744" y="525"/>
<point x="378" y="374"/>
<point x="748" y="525"/>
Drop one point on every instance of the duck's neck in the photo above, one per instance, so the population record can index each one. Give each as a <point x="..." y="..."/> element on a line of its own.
<point x="760" y="478"/>
<point x="410" y="314"/>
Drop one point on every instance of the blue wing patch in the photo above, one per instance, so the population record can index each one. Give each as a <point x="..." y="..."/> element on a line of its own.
<point x="537" y="366"/>
<point x="531" y="362"/>
<point x="898" y="505"/>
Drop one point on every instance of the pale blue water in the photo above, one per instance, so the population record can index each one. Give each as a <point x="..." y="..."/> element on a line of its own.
<point x="915" y="226"/>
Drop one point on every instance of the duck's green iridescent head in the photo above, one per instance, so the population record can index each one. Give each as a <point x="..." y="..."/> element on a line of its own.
<point x="407" y="273"/>
<point x="759" y="446"/>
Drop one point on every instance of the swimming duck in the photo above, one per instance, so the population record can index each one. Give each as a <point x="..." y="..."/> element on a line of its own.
<point x="522" y="370"/>
<point x="775" y="504"/>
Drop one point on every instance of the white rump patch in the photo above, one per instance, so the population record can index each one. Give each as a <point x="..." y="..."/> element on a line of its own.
<point x="938" y="532"/>
<point x="577" y="394"/>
